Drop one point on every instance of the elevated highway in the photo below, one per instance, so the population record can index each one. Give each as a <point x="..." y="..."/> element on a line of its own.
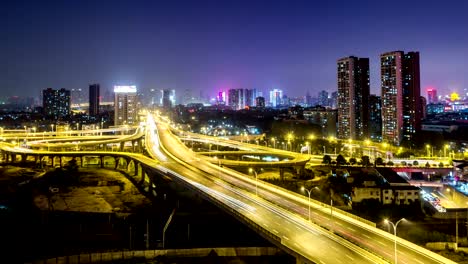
<point x="374" y="240"/>
<point x="278" y="215"/>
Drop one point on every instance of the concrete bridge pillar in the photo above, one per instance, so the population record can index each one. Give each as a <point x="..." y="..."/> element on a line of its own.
<point x="101" y="161"/>
<point x="281" y="173"/>
<point x="60" y="160"/>
<point x="122" y="144"/>
<point x="23" y="158"/>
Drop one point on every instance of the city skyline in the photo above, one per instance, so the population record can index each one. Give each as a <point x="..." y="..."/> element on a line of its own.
<point x="216" y="46"/>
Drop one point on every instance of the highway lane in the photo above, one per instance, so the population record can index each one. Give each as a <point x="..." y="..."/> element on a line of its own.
<point x="369" y="237"/>
<point x="294" y="231"/>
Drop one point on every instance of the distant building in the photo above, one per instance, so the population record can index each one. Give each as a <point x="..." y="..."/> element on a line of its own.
<point x="275" y="97"/>
<point x="375" y="118"/>
<point x="168" y="98"/>
<point x="240" y="98"/>
<point x="94" y="97"/>
<point x="76" y="96"/>
<point x="422" y="107"/>
<point x="353" y="98"/>
<point x="125" y="105"/>
<point x="432" y="96"/>
<point x="333" y="100"/>
<point x="260" y="102"/>
<point x="153" y="97"/>
<point x="432" y="109"/>
<point x="308" y="99"/>
<point x="324" y="117"/>
<point x="56" y="103"/>
<point x="323" y="98"/>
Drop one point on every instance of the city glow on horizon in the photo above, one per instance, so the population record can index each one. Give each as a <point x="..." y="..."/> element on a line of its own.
<point x="125" y="89"/>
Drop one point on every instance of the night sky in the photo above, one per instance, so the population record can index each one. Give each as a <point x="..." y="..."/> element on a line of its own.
<point x="212" y="45"/>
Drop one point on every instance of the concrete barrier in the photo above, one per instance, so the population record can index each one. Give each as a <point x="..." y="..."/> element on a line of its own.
<point x="102" y="257"/>
<point x="442" y="245"/>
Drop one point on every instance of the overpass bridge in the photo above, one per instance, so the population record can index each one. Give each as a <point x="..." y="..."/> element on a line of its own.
<point x="278" y="215"/>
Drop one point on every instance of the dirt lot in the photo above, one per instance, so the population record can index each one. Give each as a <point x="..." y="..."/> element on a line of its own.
<point x="100" y="190"/>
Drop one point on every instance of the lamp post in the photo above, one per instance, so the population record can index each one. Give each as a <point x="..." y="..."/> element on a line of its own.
<point x="445" y="150"/>
<point x="308" y="192"/>
<point x="219" y="166"/>
<point x="256" y="180"/>
<point x="395" y="234"/>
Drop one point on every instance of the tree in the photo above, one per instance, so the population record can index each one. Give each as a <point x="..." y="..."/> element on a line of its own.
<point x="378" y="161"/>
<point x="427" y="164"/>
<point x="415" y="163"/>
<point x="326" y="159"/>
<point x="365" y="160"/>
<point x="352" y="161"/>
<point x="390" y="163"/>
<point x="340" y="160"/>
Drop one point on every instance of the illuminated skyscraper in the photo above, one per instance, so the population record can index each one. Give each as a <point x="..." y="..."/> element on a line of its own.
<point x="94" y="99"/>
<point x="400" y="96"/>
<point x="56" y="103"/>
<point x="432" y="96"/>
<point x="125" y="105"/>
<point x="167" y="98"/>
<point x="275" y="97"/>
<point x="240" y="98"/>
<point x="353" y="98"/>
<point x="411" y="97"/>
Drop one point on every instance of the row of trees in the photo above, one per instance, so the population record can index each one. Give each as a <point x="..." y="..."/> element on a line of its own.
<point x="341" y="160"/>
<point x="365" y="161"/>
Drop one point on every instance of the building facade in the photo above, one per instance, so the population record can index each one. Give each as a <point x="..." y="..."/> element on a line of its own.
<point x="375" y="118"/>
<point x="391" y="64"/>
<point x="412" y="114"/>
<point x="353" y="98"/>
<point x="400" y="83"/>
<point x="125" y="105"/>
<point x="56" y="103"/>
<point x="94" y="98"/>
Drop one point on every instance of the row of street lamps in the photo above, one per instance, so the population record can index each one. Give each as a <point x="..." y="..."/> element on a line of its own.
<point x="309" y="192"/>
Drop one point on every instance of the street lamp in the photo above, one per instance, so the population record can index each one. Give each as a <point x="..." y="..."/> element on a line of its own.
<point x="308" y="192"/>
<point x="256" y="180"/>
<point x="219" y="166"/>
<point x="445" y="150"/>
<point x="395" y="234"/>
<point x="274" y="142"/>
